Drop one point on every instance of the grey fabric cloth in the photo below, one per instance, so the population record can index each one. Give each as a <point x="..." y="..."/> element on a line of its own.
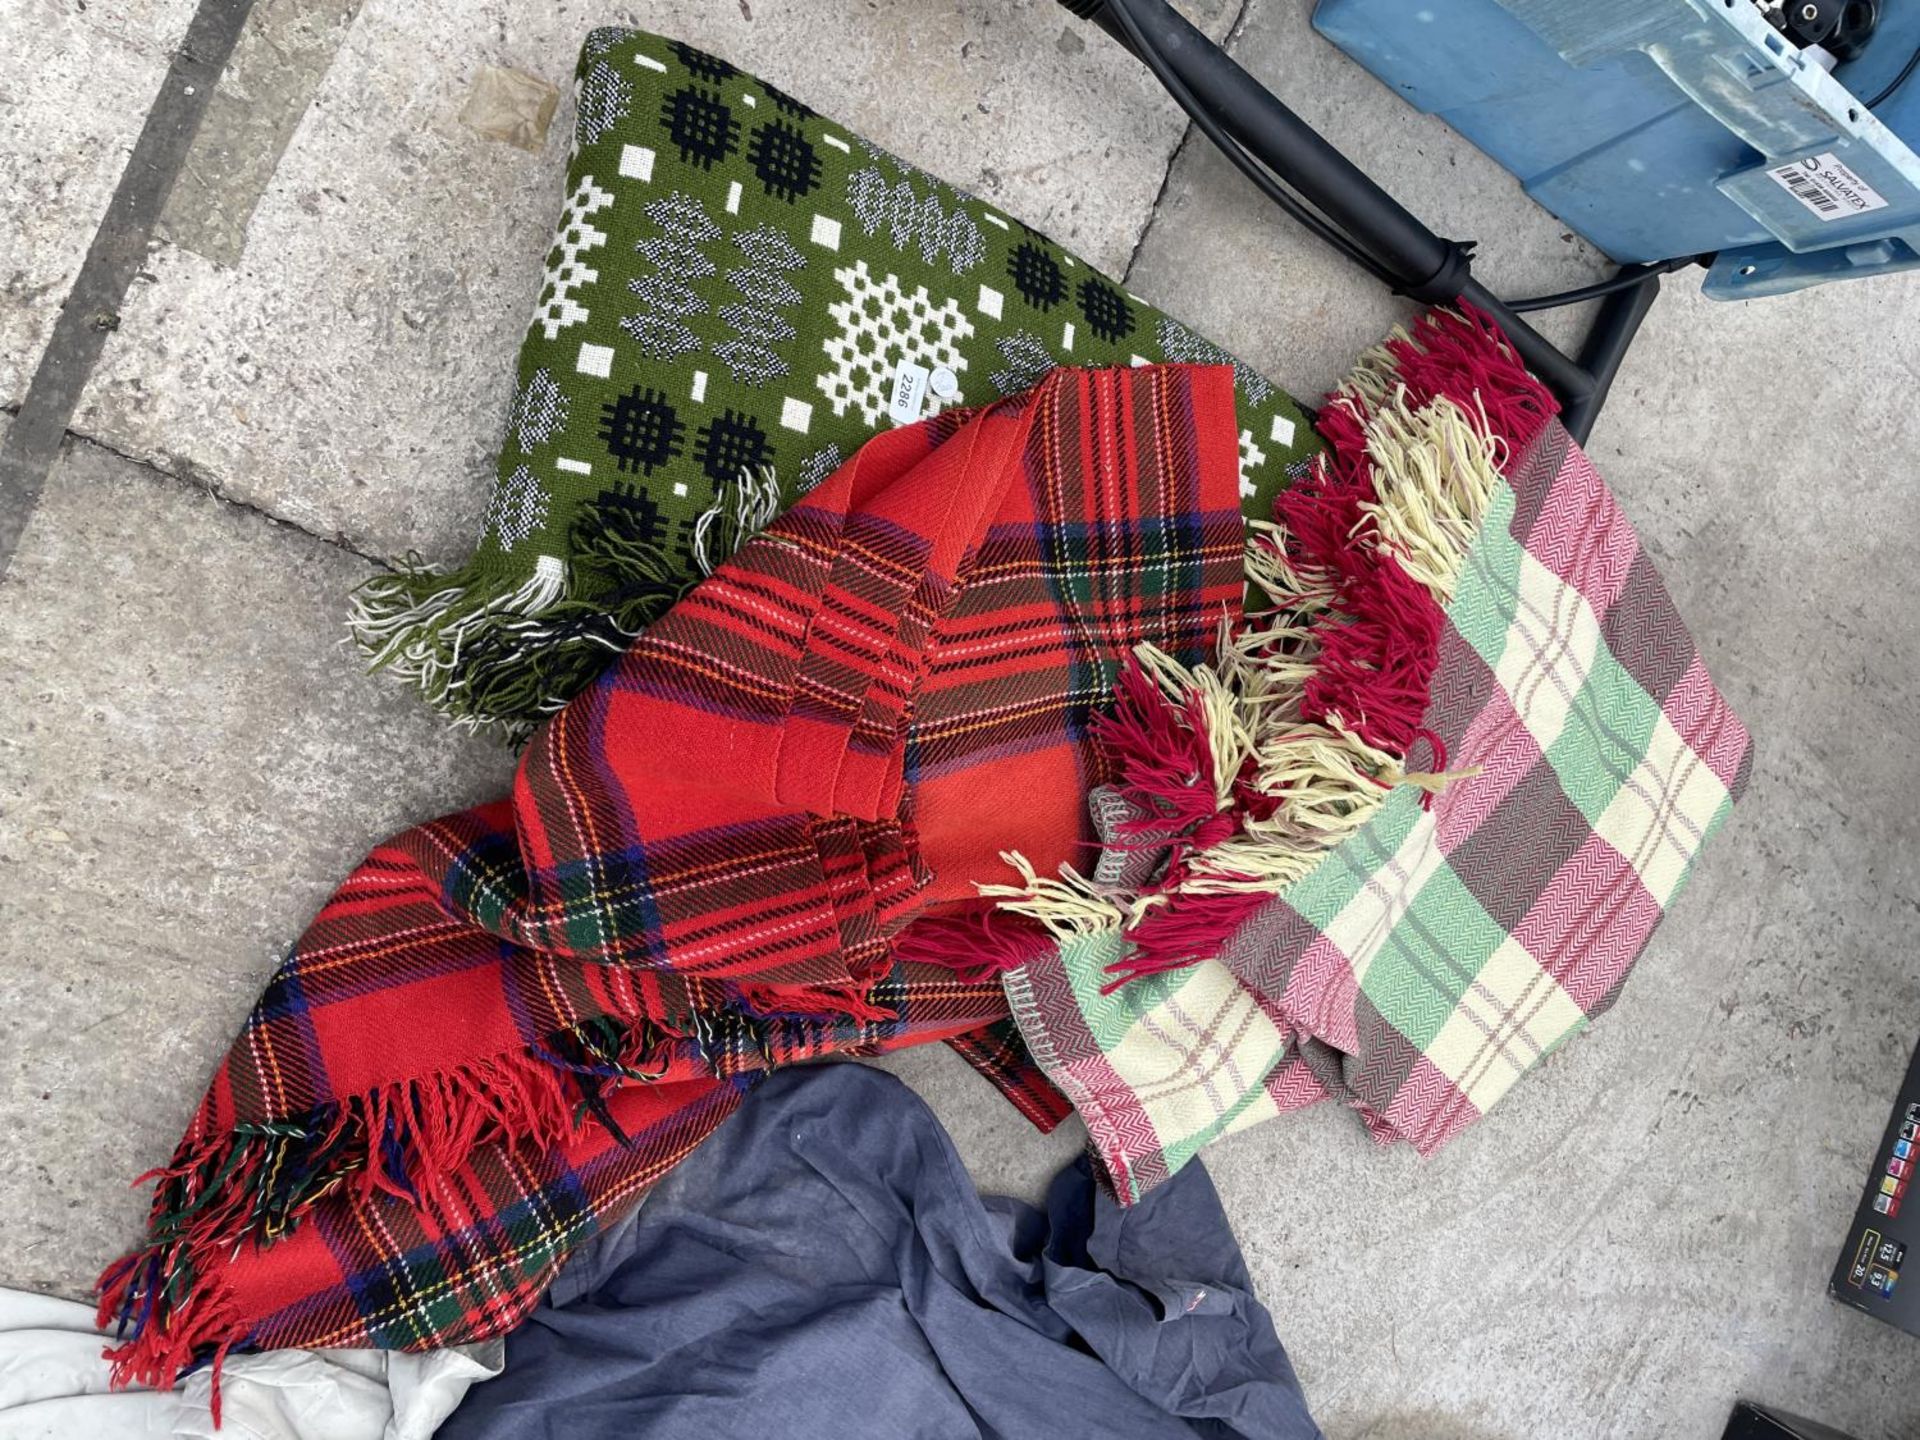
<point x="54" y="1385"/>
<point x="823" y="1269"/>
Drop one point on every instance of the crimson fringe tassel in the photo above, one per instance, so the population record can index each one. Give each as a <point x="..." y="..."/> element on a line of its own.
<point x="1378" y="644"/>
<point x="1161" y="753"/>
<point x="252" y="1184"/>
<point x="1379" y="647"/>
<point x="1464" y="357"/>
<point x="1189" y="928"/>
<point x="977" y="944"/>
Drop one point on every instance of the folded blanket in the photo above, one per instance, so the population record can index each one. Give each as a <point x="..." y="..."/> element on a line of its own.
<point x="826" y="1261"/>
<point x="1411" y="830"/>
<point x="740" y="293"/>
<point x="510" y="1021"/>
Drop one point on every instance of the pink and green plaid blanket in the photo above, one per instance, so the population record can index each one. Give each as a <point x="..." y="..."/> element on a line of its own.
<point x="1530" y="820"/>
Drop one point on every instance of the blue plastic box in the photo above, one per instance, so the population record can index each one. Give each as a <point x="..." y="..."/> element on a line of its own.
<point x="1662" y="128"/>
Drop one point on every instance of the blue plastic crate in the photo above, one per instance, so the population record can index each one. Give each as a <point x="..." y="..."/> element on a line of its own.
<point x="1661" y="128"/>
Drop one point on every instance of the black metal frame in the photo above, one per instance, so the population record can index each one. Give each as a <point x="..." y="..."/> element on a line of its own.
<point x="1428" y="267"/>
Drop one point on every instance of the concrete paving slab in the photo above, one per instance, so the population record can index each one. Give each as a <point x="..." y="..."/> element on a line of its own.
<point x="189" y="763"/>
<point x="1644" y="1229"/>
<point x="1004" y="1153"/>
<point x="350" y="370"/>
<point x="283" y="52"/>
<point x="75" y="84"/>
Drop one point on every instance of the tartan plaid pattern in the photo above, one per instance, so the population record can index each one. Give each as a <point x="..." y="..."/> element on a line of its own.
<point x="700" y="875"/>
<point x="946" y="612"/>
<point x="999" y="1052"/>
<point x="470" y="1257"/>
<point x="1454" y="941"/>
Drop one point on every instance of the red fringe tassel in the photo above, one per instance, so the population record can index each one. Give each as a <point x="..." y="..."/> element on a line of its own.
<point x="977" y="944"/>
<point x="1183" y="932"/>
<point x="1463" y="357"/>
<point x="1159" y="753"/>
<point x="225" y="1189"/>
<point x="1377" y="649"/>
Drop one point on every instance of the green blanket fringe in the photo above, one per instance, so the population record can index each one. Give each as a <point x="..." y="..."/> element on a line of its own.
<point x="734" y="287"/>
<point x="500" y="657"/>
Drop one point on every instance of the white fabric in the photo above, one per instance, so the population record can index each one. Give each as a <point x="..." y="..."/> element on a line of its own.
<point x="53" y="1386"/>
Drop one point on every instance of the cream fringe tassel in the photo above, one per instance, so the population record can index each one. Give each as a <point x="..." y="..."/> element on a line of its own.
<point x="420" y="640"/>
<point x="504" y="661"/>
<point x="1435" y="471"/>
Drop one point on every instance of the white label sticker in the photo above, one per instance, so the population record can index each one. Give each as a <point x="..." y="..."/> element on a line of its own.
<point x="909" y="392"/>
<point x="1827" y="186"/>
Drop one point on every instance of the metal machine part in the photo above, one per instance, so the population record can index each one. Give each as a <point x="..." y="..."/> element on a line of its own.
<point x="1312" y="181"/>
<point x="1840" y="27"/>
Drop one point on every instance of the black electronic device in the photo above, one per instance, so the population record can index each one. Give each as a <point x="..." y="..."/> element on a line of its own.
<point x="1886" y="1223"/>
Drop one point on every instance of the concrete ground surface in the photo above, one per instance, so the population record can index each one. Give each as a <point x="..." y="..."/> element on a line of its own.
<point x="308" y="379"/>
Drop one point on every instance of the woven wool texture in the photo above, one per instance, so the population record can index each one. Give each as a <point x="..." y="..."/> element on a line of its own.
<point x="734" y="286"/>
<point x="1475" y="921"/>
<point x="706" y="869"/>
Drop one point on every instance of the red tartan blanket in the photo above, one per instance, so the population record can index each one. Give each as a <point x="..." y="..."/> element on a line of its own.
<point x="508" y="1022"/>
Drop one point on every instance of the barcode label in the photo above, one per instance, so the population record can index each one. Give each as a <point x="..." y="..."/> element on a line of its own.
<point x="1813" y="194"/>
<point x="1827" y="186"/>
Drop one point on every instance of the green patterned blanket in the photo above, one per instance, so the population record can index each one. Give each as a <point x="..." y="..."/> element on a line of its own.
<point x="740" y="293"/>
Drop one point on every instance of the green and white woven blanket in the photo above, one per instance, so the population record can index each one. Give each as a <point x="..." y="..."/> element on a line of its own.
<point x="740" y="293"/>
<point x="1414" y="825"/>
